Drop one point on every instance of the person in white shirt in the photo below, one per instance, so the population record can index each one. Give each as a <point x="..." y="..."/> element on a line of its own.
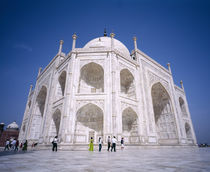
<point x="7" y="145"/>
<point x="114" y="141"/>
<point x="55" y="143"/>
<point x="13" y="144"/>
<point x="100" y="144"/>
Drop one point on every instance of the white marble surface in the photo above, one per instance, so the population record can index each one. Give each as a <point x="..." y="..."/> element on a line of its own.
<point x="105" y="75"/>
<point x="161" y="159"/>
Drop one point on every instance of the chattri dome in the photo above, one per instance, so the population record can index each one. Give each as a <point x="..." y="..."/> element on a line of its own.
<point x="13" y="126"/>
<point x="105" y="42"/>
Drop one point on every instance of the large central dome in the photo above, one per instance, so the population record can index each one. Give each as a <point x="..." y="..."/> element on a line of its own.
<point x="105" y="42"/>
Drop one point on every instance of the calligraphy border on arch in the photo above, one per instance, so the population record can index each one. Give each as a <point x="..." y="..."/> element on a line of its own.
<point x="83" y="62"/>
<point x="125" y="105"/>
<point x="153" y="78"/>
<point x="123" y="66"/>
<point x="98" y="102"/>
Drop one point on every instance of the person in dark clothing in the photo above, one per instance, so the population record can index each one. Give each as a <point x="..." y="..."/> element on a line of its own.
<point x="114" y="142"/>
<point x="17" y="145"/>
<point x="100" y="144"/>
<point x="122" y="143"/>
<point x="109" y="143"/>
<point x="55" y="143"/>
<point x="25" y="145"/>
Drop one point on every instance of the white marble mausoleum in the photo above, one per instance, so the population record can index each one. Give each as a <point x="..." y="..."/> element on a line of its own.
<point x="103" y="90"/>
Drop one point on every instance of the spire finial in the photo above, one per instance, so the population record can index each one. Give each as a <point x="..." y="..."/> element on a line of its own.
<point x="74" y="36"/>
<point x="60" y="47"/>
<point x="105" y="34"/>
<point x="112" y="35"/>
<point x="181" y="83"/>
<point x="135" y="43"/>
<point x="169" y="67"/>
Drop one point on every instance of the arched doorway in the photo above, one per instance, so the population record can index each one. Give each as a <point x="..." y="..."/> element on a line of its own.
<point x="91" y="79"/>
<point x="188" y="131"/>
<point x="182" y="107"/>
<point x="164" y="117"/>
<point x="55" y="123"/>
<point x="39" y="113"/>
<point x="89" y="123"/>
<point x="130" y="125"/>
<point x="61" y="85"/>
<point x="127" y="85"/>
<point x="62" y="82"/>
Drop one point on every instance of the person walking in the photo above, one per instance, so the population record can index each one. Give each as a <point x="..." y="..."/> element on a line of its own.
<point x="16" y="145"/>
<point x="13" y="143"/>
<point x="7" y="145"/>
<point x="25" y="146"/>
<point x="91" y="144"/>
<point x="100" y="142"/>
<point x="114" y="141"/>
<point x="55" y="143"/>
<point x="109" y="143"/>
<point x="122" y="143"/>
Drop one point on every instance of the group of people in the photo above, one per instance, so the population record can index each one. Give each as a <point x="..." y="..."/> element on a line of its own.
<point x="111" y="143"/>
<point x="13" y="144"/>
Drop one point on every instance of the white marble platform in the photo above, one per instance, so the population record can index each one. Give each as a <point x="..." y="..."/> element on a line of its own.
<point x="160" y="159"/>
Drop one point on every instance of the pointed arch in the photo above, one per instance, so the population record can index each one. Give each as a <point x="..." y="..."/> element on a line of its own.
<point x="40" y="107"/>
<point x="24" y="128"/>
<point x="55" y="123"/>
<point x="89" y="123"/>
<point x="91" y="78"/>
<point x="188" y="130"/>
<point x="182" y="106"/>
<point x="127" y="85"/>
<point x="130" y="125"/>
<point x="164" y="117"/>
<point x="62" y="83"/>
<point x="40" y="100"/>
<point x="29" y="104"/>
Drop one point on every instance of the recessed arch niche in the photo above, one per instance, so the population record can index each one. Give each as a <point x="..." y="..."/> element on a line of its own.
<point x="164" y="117"/>
<point x="61" y="84"/>
<point x="89" y="123"/>
<point x="40" y="106"/>
<point x="55" y="123"/>
<point x="188" y="131"/>
<point x="182" y="106"/>
<point x="91" y="78"/>
<point x="127" y="86"/>
<point x="130" y="125"/>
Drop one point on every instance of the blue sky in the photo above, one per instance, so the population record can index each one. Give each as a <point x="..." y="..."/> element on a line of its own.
<point x="168" y="31"/>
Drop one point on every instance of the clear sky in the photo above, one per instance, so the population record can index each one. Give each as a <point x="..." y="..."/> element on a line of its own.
<point x="168" y="31"/>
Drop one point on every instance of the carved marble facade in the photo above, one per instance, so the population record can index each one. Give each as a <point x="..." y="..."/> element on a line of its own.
<point x="102" y="90"/>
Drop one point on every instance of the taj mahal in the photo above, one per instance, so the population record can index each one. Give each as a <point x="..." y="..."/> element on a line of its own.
<point x="103" y="90"/>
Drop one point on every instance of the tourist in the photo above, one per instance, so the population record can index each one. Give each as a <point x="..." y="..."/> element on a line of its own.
<point x="16" y="145"/>
<point x="122" y="143"/>
<point x="91" y="144"/>
<point x="114" y="141"/>
<point x="7" y="145"/>
<point x="109" y="143"/>
<point x="32" y="146"/>
<point x="100" y="142"/>
<point x="10" y="143"/>
<point x="55" y="143"/>
<point x="25" y="145"/>
<point x="13" y="144"/>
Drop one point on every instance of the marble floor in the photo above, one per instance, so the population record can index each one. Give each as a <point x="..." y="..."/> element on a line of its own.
<point x="159" y="159"/>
